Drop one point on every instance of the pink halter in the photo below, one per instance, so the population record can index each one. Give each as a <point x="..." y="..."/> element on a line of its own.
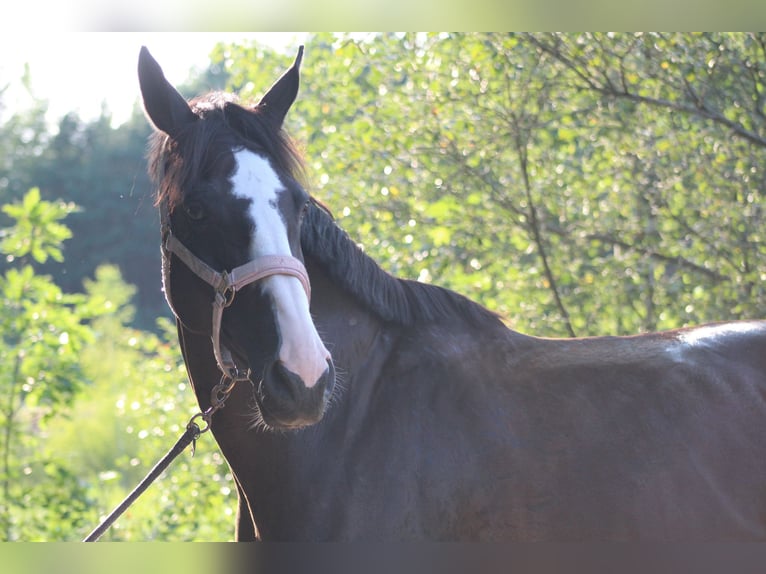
<point x="225" y="285"/>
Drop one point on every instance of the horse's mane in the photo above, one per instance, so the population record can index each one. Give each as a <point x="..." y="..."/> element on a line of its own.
<point x="203" y="145"/>
<point x="394" y="300"/>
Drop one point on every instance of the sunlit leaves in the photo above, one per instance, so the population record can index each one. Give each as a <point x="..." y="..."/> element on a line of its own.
<point x="41" y="333"/>
<point x="639" y="199"/>
<point x="623" y="191"/>
<point x="37" y="231"/>
<point x="40" y="325"/>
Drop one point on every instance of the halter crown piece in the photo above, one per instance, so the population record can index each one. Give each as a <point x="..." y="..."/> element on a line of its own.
<point x="225" y="285"/>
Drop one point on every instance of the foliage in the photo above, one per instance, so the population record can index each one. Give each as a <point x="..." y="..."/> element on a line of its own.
<point x="41" y="335"/>
<point x="136" y="408"/>
<point x="578" y="184"/>
<point x="89" y="404"/>
<point x="104" y="172"/>
<point x="23" y="137"/>
<point x="37" y="231"/>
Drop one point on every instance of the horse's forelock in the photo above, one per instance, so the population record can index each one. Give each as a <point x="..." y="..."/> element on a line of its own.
<point x="225" y="125"/>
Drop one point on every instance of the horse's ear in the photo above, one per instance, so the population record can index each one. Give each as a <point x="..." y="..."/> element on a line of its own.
<point x="165" y="107"/>
<point x="282" y="94"/>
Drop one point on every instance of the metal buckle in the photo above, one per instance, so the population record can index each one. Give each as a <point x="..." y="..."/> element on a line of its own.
<point x="226" y="291"/>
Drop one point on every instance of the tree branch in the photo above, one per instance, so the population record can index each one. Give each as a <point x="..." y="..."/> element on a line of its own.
<point x="675" y="259"/>
<point x="8" y="435"/>
<point x="538" y="238"/>
<point x="608" y="88"/>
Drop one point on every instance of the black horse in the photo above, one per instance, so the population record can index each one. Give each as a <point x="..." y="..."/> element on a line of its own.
<point x="441" y="423"/>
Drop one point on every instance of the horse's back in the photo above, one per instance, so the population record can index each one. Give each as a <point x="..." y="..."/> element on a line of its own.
<point x="656" y="437"/>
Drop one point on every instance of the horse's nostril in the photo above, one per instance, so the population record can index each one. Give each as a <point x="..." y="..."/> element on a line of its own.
<point x="286" y="383"/>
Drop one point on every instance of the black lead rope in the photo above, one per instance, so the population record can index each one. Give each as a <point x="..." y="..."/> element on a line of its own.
<point x="218" y="396"/>
<point x="192" y="434"/>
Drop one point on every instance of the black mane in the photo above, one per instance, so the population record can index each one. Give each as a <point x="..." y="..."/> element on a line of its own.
<point x="394" y="300"/>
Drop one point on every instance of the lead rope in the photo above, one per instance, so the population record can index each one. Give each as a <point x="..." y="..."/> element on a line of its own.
<point x="218" y="397"/>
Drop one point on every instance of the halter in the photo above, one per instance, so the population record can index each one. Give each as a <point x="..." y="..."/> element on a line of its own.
<point x="225" y="285"/>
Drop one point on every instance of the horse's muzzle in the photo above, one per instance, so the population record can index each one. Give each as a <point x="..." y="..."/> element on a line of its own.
<point x="286" y="402"/>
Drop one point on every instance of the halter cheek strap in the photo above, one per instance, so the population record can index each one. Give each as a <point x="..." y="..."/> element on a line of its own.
<point x="226" y="285"/>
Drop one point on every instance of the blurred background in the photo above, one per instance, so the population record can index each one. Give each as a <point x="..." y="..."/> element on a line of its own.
<point x="578" y="184"/>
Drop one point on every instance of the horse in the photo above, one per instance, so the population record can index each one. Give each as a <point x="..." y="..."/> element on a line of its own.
<point x="361" y="406"/>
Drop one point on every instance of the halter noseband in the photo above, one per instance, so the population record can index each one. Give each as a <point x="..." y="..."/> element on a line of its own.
<point x="225" y="285"/>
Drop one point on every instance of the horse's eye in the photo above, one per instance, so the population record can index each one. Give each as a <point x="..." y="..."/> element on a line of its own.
<point x="195" y="210"/>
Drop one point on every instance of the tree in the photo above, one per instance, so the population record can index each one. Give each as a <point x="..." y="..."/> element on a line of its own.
<point x="23" y="137"/>
<point x="547" y="176"/>
<point x="103" y="170"/>
<point x="73" y="369"/>
<point x="89" y="404"/>
<point x="42" y="331"/>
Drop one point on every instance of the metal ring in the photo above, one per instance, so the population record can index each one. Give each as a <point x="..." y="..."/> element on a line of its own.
<point x="220" y="393"/>
<point x="228" y="295"/>
<point x="205" y="417"/>
<point x="218" y="398"/>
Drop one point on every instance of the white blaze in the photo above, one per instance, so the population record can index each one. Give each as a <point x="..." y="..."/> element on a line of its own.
<point x="302" y="351"/>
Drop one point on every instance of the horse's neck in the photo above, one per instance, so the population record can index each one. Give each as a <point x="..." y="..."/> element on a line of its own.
<point x="358" y="341"/>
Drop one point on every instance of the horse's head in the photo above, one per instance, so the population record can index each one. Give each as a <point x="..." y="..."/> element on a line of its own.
<point x="232" y="211"/>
